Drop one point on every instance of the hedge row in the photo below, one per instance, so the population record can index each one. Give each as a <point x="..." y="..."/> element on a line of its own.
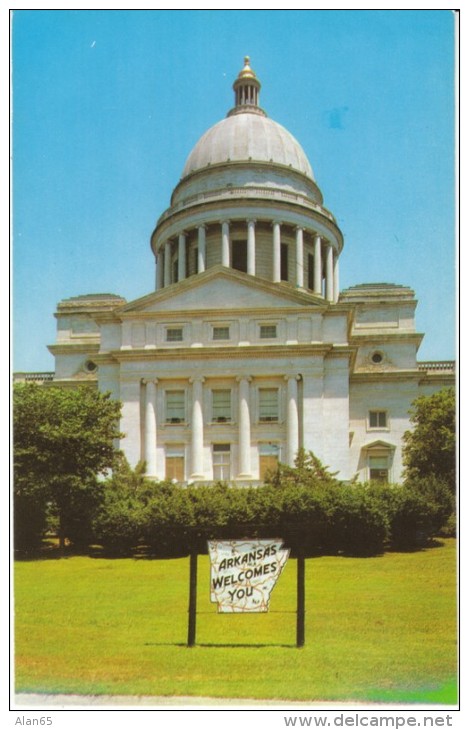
<point x="360" y="519"/>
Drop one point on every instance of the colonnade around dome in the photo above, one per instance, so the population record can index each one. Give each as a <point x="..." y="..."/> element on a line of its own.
<point x="268" y="249"/>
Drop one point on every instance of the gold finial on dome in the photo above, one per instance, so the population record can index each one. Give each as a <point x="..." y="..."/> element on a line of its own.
<point x="246" y="71"/>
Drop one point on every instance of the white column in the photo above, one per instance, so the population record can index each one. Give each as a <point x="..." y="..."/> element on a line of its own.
<point x="182" y="257"/>
<point x="317" y="265"/>
<point x="197" y="429"/>
<point x="276" y="276"/>
<point x="252" y="247"/>
<point x="201" y="250"/>
<point x="225" y="243"/>
<point x="329" y="274"/>
<point x="150" y="428"/>
<point x="244" y="425"/>
<point x="292" y="419"/>
<point x="336" y="277"/>
<point x="167" y="263"/>
<point x="160" y="270"/>
<point x="300" y="277"/>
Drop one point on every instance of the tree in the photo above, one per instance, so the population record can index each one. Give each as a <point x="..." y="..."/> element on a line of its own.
<point x="308" y="471"/>
<point x="430" y="447"/>
<point x="63" y="441"/>
<point x="117" y="522"/>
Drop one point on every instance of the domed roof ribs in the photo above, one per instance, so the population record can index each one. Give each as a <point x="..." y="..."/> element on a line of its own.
<point x="246" y="88"/>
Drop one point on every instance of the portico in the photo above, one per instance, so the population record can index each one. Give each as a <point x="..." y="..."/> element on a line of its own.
<point x="262" y="415"/>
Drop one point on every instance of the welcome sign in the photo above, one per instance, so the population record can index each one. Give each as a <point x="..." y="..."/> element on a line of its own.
<point x="244" y="572"/>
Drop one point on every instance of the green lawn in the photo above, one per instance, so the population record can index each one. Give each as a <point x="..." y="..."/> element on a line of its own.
<point x="380" y="629"/>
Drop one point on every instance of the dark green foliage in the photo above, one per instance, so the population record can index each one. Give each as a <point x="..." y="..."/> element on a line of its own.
<point x="316" y="514"/>
<point x="306" y="506"/>
<point x="63" y="439"/>
<point x="308" y="471"/>
<point x="430" y="447"/>
<point x="118" y="521"/>
<point x="360" y="521"/>
<point x="30" y="521"/>
<point x="419" y="510"/>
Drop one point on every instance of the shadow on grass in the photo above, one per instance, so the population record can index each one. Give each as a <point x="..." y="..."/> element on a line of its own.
<point x="221" y="646"/>
<point x="49" y="550"/>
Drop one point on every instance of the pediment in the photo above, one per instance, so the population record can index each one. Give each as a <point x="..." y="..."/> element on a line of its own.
<point x="220" y="288"/>
<point x="377" y="445"/>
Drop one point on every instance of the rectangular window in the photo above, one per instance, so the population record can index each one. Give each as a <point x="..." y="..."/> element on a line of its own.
<point x="378" y="419"/>
<point x="175" y="406"/>
<point x="196" y="260"/>
<point x="174" y="463"/>
<point x="175" y="271"/>
<point x="221" y="333"/>
<point x="268" y="331"/>
<point x="268" y="404"/>
<point x="239" y="255"/>
<point x="268" y="459"/>
<point x="284" y="261"/>
<point x="221" y="406"/>
<point x="221" y="461"/>
<point x="378" y="466"/>
<point x="174" y="334"/>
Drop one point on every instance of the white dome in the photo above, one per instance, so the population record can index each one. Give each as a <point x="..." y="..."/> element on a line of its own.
<point x="247" y="137"/>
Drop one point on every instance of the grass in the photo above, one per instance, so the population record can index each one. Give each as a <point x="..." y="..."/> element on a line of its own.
<point x="377" y="629"/>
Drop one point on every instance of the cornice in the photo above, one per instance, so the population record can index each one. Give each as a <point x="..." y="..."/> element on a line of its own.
<point x="231" y="353"/>
<point x="385" y="376"/>
<point x="437" y="378"/>
<point x="71" y="383"/>
<point x="223" y="314"/>
<point x="74" y="348"/>
<point x="181" y="218"/>
<point x="377" y="337"/>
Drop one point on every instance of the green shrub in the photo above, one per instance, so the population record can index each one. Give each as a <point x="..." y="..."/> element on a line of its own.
<point x="421" y="508"/>
<point x="117" y="524"/>
<point x="305" y="506"/>
<point x="360" y="524"/>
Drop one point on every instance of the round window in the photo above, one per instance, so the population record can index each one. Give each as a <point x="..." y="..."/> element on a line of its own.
<point x="90" y="366"/>
<point x="377" y="358"/>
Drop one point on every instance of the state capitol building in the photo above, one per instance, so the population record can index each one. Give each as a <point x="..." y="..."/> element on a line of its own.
<point x="247" y="349"/>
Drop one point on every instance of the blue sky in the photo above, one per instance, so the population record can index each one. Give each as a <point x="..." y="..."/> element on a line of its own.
<point x="108" y="104"/>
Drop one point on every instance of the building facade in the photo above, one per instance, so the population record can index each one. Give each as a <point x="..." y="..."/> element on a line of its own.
<point x="247" y="350"/>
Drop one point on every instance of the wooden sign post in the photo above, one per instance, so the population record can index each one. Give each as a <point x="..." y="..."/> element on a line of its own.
<point x="248" y="571"/>
<point x="300" y="601"/>
<point x="191" y="631"/>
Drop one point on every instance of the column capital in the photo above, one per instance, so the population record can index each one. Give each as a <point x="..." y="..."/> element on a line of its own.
<point x="149" y="381"/>
<point x="252" y="220"/>
<point x="197" y="379"/>
<point x="240" y="378"/>
<point x="293" y="376"/>
<point x="276" y="222"/>
<point x="202" y="226"/>
<point x="226" y="221"/>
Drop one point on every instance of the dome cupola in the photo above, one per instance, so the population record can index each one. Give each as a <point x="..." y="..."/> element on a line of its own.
<point x="246" y="88"/>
